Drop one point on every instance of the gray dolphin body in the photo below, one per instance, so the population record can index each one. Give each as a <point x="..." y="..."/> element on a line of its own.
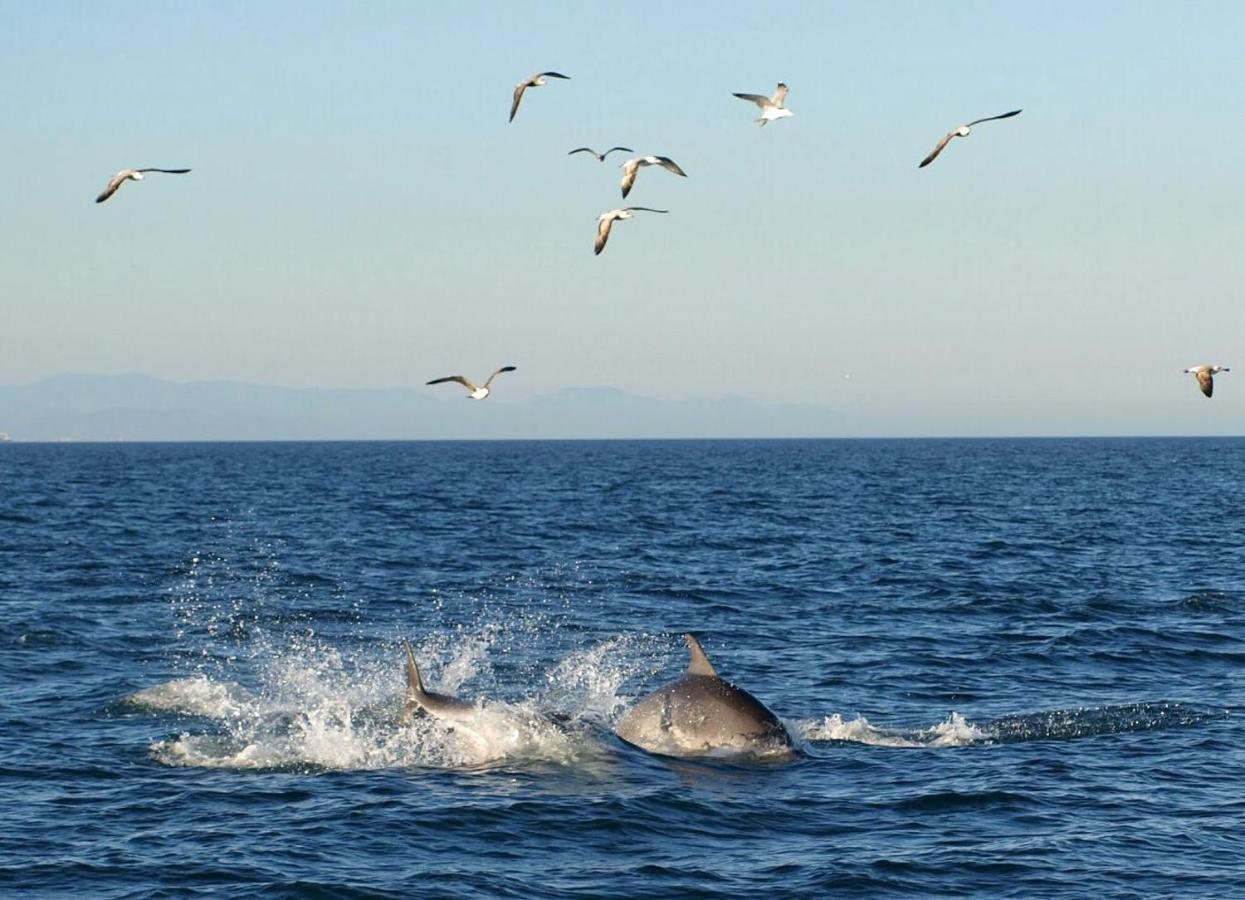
<point x="422" y="702"/>
<point x="702" y="714"/>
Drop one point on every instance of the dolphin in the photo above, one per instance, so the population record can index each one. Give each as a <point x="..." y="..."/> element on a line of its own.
<point x="702" y="713"/>
<point x="422" y="702"/>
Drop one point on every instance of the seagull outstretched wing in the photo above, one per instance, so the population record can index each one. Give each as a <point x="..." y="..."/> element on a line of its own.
<point x="933" y="154"/>
<point x="498" y="372"/>
<point x="1006" y="115"/>
<point x="461" y="379"/>
<point x="758" y="99"/>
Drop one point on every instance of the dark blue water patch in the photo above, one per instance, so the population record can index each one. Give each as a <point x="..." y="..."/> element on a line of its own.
<point x="1012" y="667"/>
<point x="1069" y="724"/>
<point x="956" y="801"/>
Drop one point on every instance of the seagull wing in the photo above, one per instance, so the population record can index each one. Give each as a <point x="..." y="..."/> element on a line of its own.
<point x="612" y="149"/>
<point x="498" y="372"/>
<point x="585" y="150"/>
<point x="780" y="95"/>
<point x="465" y="382"/>
<point x="644" y="209"/>
<point x="518" y="95"/>
<point x="630" y="169"/>
<point x="113" y="184"/>
<point x="933" y="154"/>
<point x="670" y="165"/>
<point x="1205" y="380"/>
<point x="604" y="224"/>
<point x="166" y="171"/>
<point x="552" y="75"/>
<point x="1006" y="115"/>
<point x="755" y="98"/>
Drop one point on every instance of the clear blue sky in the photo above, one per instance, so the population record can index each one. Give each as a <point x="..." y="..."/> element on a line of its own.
<point x="361" y="214"/>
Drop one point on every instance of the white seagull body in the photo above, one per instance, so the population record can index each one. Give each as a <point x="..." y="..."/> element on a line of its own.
<point x="534" y="81"/>
<point x="125" y="175"/>
<point x="771" y="107"/>
<point x="475" y="392"/>
<point x="1205" y="376"/>
<point x="632" y="167"/>
<point x="962" y="131"/>
<point x="606" y="221"/>
<point x="600" y="156"/>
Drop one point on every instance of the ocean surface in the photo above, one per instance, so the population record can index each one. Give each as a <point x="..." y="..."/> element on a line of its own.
<point x="1014" y="668"/>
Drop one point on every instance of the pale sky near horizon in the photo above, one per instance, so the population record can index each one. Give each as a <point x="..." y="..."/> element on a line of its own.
<point x="361" y="214"/>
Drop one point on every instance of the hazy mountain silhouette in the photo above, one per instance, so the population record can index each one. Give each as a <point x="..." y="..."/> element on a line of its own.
<point x="143" y="408"/>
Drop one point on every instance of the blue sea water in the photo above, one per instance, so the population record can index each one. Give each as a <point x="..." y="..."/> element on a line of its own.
<point x="1013" y="667"/>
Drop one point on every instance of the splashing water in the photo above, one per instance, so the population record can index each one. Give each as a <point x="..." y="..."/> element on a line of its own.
<point x="954" y="731"/>
<point x="197" y="696"/>
<point x="587" y="684"/>
<point x="320" y="711"/>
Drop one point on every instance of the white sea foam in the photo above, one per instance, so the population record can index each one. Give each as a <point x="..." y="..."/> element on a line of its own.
<point x="954" y="731"/>
<point x="196" y="696"/>
<point x="317" y="710"/>
<point x="336" y="737"/>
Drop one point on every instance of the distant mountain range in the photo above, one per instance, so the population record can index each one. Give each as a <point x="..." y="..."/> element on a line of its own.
<point x="143" y="408"/>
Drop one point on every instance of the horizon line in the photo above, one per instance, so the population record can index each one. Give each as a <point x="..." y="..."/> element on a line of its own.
<point x="621" y="440"/>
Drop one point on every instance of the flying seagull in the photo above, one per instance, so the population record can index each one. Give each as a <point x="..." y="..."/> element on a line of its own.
<point x="131" y="175"/>
<point x="631" y="168"/>
<point x="962" y="131"/>
<point x="600" y="156"/>
<point x="605" y="222"/>
<point x="534" y="81"/>
<point x="476" y="392"/>
<point x="1206" y="376"/>
<point x="771" y="107"/>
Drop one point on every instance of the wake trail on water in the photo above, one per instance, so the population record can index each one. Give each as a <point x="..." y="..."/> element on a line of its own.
<point x="1052" y="725"/>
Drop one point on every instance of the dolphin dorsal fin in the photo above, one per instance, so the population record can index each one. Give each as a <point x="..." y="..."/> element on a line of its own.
<point x="414" y="684"/>
<point x="700" y="664"/>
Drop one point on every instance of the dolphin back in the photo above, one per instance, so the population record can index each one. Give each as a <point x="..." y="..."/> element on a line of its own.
<point x="702" y="713"/>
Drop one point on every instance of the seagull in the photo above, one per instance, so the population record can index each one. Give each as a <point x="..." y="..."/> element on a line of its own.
<point x="600" y="156"/>
<point x="771" y="107"/>
<point x="962" y="131"/>
<point x="534" y="81"/>
<point x="131" y="175"/>
<point x="476" y="392"/>
<point x="605" y="222"/>
<point x="1206" y="376"/>
<point x="631" y="168"/>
